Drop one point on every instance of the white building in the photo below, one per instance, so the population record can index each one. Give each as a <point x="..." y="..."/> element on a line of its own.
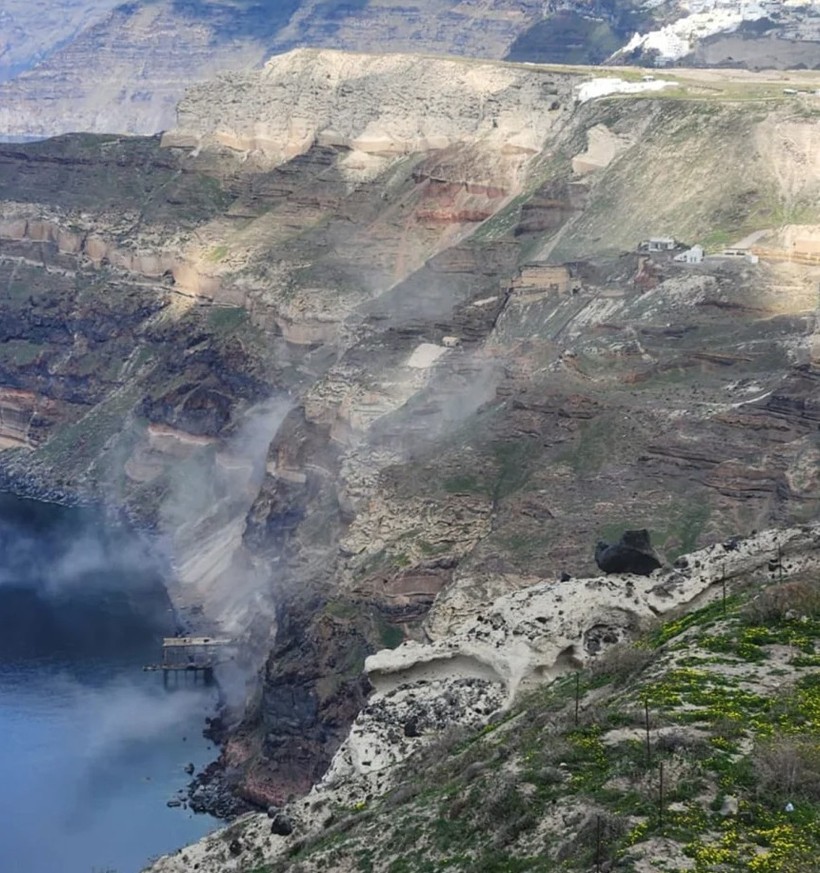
<point x="659" y="244"/>
<point x="692" y="256"/>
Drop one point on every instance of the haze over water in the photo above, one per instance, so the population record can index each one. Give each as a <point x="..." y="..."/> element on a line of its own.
<point x="91" y="747"/>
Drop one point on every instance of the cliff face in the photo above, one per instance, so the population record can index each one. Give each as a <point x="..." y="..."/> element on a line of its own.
<point x="370" y="369"/>
<point x="487" y="112"/>
<point x="122" y="68"/>
<point x="95" y="65"/>
<point x="124" y="72"/>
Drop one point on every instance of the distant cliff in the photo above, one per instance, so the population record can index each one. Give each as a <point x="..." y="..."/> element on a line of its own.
<point x="95" y="65"/>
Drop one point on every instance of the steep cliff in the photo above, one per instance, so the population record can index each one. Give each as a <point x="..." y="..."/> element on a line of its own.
<point x="96" y="65"/>
<point x="370" y="368"/>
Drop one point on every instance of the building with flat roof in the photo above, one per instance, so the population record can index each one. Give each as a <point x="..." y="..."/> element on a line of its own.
<point x="691" y="256"/>
<point x="658" y="244"/>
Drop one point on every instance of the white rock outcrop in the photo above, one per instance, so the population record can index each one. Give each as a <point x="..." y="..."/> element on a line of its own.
<point x="540" y="632"/>
<point x="605" y="86"/>
<point x="363" y="102"/>
<point x="526" y="637"/>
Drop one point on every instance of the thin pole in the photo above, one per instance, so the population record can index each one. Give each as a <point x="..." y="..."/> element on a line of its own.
<point x="660" y="800"/>
<point x="598" y="844"/>
<point x="577" y="695"/>
<point x="648" y="740"/>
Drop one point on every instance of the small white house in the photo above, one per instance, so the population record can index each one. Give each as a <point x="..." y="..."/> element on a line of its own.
<point x="659" y="244"/>
<point x="691" y="256"/>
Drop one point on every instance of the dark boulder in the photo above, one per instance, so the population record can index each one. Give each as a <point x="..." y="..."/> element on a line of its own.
<point x="411" y="728"/>
<point x="631" y="554"/>
<point x="281" y="825"/>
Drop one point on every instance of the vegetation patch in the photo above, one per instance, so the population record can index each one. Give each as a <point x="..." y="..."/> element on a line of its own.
<point x="20" y="353"/>
<point x="223" y="319"/>
<point x="675" y="737"/>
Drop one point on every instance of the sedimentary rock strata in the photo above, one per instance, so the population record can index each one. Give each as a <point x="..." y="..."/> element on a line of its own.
<point x="480" y="374"/>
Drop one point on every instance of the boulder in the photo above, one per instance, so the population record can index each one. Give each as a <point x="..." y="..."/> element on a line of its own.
<point x="633" y="553"/>
<point x="730" y="806"/>
<point x="411" y="728"/>
<point x="281" y="825"/>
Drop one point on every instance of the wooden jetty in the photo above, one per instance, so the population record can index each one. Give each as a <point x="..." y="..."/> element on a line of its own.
<point x="191" y="655"/>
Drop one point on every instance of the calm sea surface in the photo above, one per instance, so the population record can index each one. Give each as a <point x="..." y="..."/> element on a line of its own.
<point x="91" y="747"/>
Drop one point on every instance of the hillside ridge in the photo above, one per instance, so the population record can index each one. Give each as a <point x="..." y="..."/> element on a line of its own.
<point x="360" y="815"/>
<point x="106" y="67"/>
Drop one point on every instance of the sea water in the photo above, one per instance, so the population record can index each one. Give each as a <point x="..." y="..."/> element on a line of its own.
<point x="92" y="748"/>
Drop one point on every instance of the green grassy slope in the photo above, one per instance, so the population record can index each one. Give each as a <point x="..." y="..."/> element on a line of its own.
<point x="732" y="697"/>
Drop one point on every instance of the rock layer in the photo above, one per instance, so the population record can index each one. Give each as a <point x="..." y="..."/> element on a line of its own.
<point x="480" y="374"/>
<point x="360" y="102"/>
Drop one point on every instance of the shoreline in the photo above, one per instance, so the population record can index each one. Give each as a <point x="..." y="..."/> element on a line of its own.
<point x="209" y="791"/>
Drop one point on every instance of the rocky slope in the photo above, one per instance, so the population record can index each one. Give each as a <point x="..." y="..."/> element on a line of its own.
<point x="367" y="370"/>
<point x="94" y="65"/>
<point x="450" y="704"/>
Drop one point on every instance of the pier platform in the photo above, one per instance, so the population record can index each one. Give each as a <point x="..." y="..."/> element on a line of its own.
<point x="191" y="655"/>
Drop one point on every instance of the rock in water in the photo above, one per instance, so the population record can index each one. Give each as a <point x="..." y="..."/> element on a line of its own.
<point x="631" y="554"/>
